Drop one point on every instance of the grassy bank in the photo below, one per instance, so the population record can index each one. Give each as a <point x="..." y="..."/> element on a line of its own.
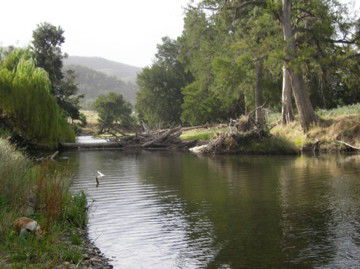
<point x="39" y="192"/>
<point x="342" y="123"/>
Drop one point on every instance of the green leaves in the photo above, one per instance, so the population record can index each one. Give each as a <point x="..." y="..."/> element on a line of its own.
<point x="160" y="97"/>
<point x="47" y="41"/>
<point x="26" y="103"/>
<point x="114" y="112"/>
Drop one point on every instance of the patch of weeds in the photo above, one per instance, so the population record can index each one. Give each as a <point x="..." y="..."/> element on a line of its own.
<point x="75" y="212"/>
<point x="73" y="255"/>
<point x="76" y="239"/>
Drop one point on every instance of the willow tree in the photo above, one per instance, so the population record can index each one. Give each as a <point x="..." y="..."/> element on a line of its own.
<point x="26" y="105"/>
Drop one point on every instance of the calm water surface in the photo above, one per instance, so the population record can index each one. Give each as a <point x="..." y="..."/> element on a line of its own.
<point x="176" y="210"/>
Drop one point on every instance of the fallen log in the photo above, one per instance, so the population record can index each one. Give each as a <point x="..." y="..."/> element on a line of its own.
<point x="51" y="157"/>
<point x="91" y="145"/>
<point x="347" y="144"/>
<point x="162" y="137"/>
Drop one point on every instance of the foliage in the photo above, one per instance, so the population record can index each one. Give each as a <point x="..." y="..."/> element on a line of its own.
<point x="160" y="97"/>
<point x="114" y="113"/>
<point x="56" y="210"/>
<point x="223" y="42"/>
<point x="47" y="50"/>
<point x="46" y="45"/>
<point x="25" y="101"/>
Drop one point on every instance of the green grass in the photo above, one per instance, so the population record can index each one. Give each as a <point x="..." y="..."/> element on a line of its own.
<point x="339" y="111"/>
<point x="273" y="117"/>
<point x="202" y="133"/>
<point x="270" y="145"/>
<point x="56" y="209"/>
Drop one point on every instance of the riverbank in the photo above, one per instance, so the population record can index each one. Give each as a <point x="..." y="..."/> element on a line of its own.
<point x="336" y="128"/>
<point x="42" y="193"/>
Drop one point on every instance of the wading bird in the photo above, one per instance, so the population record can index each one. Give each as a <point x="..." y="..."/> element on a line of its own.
<point x="99" y="175"/>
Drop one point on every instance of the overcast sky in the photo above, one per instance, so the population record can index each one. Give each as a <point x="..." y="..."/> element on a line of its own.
<point x="126" y="31"/>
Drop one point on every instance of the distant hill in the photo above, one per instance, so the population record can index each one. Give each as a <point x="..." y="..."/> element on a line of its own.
<point x="93" y="83"/>
<point x="122" y="71"/>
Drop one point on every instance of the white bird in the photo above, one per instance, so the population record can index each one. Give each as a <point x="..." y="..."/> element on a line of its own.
<point x="99" y="175"/>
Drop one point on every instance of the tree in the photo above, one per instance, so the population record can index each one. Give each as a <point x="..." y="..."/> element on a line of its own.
<point x="307" y="115"/>
<point x="26" y="105"/>
<point x="159" y="99"/>
<point x="199" y="45"/>
<point x="46" y="45"/>
<point x="114" y="113"/>
<point x="230" y="56"/>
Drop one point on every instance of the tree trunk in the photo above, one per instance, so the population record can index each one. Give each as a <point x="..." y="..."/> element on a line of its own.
<point x="286" y="108"/>
<point x="306" y="112"/>
<point x="259" y="113"/>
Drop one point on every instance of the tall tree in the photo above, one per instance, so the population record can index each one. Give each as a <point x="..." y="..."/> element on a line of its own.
<point x="159" y="98"/>
<point x="307" y="114"/>
<point x="286" y="97"/>
<point x="239" y="7"/>
<point x="46" y="45"/>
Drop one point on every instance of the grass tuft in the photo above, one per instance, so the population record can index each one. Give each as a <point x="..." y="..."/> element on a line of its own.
<point x="46" y="192"/>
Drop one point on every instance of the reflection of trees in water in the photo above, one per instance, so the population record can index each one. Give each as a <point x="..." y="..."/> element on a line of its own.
<point x="314" y="197"/>
<point x="247" y="211"/>
<point x="237" y="195"/>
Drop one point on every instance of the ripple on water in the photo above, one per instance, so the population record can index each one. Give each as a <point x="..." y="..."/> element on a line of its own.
<point x="165" y="210"/>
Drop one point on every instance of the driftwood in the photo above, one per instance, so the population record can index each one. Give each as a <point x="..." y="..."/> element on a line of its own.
<point x="54" y="155"/>
<point x="162" y="137"/>
<point x="51" y="157"/>
<point x="347" y="145"/>
<point x="165" y="139"/>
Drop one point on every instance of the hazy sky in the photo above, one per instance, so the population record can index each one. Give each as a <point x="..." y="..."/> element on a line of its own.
<point x="126" y="31"/>
<point x="122" y="30"/>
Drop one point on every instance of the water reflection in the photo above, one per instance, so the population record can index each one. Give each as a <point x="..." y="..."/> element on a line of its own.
<point x="172" y="210"/>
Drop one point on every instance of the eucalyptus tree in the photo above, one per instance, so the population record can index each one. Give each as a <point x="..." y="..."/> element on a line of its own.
<point x="309" y="30"/>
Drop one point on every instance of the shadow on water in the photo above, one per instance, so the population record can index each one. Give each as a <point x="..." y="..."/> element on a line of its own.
<point x="175" y="210"/>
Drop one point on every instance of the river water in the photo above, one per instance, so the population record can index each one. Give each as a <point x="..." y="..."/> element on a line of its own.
<point x="177" y="210"/>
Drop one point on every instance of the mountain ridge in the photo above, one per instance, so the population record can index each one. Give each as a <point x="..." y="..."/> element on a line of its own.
<point x="122" y="71"/>
<point x="92" y="83"/>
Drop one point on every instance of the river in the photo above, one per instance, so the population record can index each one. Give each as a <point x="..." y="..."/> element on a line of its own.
<point x="177" y="210"/>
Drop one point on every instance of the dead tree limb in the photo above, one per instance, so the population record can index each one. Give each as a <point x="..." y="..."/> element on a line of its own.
<point x="347" y="144"/>
<point x="161" y="138"/>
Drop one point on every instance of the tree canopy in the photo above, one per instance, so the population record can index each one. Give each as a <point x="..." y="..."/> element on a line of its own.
<point x="238" y="53"/>
<point x="114" y="113"/>
<point x="26" y="105"/>
<point x="160" y="97"/>
<point x="46" y="45"/>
